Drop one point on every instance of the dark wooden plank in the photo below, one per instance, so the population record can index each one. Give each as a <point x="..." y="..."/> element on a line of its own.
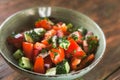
<point x="105" y="12"/>
<point x="114" y="76"/>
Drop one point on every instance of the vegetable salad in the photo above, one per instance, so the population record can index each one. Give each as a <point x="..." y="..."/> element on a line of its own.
<point x="52" y="48"/>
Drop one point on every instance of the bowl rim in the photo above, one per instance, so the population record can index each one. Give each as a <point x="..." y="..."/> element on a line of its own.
<point x="93" y="64"/>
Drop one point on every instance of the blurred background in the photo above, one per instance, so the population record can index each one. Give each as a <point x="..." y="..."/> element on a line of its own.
<point x="106" y="13"/>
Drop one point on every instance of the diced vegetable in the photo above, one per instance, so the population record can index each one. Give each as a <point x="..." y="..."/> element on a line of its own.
<point x="43" y="24"/>
<point x="77" y="36"/>
<point x="62" y="27"/>
<point x="34" y="35"/>
<point x="60" y="33"/>
<point x="18" y="54"/>
<point x="75" y="62"/>
<point x="31" y="36"/>
<point x="48" y="62"/>
<point x="63" y="67"/>
<point x="39" y="46"/>
<point x="74" y="50"/>
<point x="51" y="71"/>
<point x="40" y="31"/>
<point x="63" y="43"/>
<point x="85" y="46"/>
<point x="25" y="63"/>
<point x="54" y="41"/>
<point x="28" y="49"/>
<point x="70" y="27"/>
<point x="45" y="42"/>
<point x="92" y="44"/>
<point x="85" y="62"/>
<point x="16" y="39"/>
<point x="57" y="55"/>
<point x="39" y="65"/>
<point x="50" y="33"/>
<point x="35" y="54"/>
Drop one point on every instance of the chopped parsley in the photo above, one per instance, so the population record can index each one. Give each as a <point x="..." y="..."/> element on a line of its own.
<point x="75" y="37"/>
<point x="55" y="54"/>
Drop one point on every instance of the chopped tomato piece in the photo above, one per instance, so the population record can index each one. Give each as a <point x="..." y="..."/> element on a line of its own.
<point x="16" y="40"/>
<point x="56" y="28"/>
<point x="28" y="49"/>
<point x="74" y="50"/>
<point x="43" y="23"/>
<point x="75" y="62"/>
<point x="39" y="65"/>
<point x="50" y="33"/>
<point x="45" y="42"/>
<point x="39" y="46"/>
<point x="57" y="55"/>
<point x="85" y="62"/>
<point x="64" y="28"/>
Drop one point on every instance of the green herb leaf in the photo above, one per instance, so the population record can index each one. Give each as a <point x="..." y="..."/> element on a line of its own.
<point x="75" y="37"/>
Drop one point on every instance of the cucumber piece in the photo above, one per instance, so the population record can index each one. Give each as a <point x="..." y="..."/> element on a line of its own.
<point x="29" y="36"/>
<point x="34" y="35"/>
<point x="51" y="71"/>
<point x="63" y="67"/>
<point x="25" y="63"/>
<point x="18" y="54"/>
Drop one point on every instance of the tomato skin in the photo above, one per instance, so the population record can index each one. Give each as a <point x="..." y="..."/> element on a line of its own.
<point x="16" y="41"/>
<point x="74" y="50"/>
<point x="28" y="49"/>
<point x="57" y="55"/>
<point x="39" y="65"/>
<point x="43" y="23"/>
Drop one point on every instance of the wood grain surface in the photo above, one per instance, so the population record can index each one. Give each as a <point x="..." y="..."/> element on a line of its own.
<point x="104" y="12"/>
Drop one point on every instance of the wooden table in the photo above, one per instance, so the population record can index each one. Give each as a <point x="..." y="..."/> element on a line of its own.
<point x="105" y="12"/>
